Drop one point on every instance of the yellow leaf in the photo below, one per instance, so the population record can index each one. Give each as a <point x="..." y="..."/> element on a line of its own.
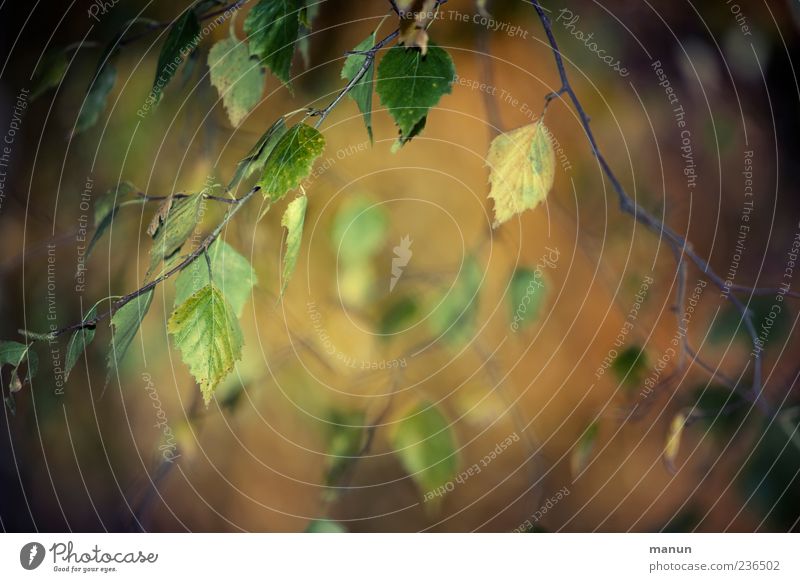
<point x="522" y="169"/>
<point x="674" y="440"/>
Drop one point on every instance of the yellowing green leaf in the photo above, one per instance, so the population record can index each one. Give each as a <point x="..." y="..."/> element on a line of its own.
<point x="426" y="446"/>
<point x="345" y="438"/>
<point x="673" y="442"/>
<point x="526" y="295"/>
<point x="293" y="220"/>
<point x="291" y="160"/>
<point x="361" y="92"/>
<point x="522" y="170"/>
<point x="584" y="448"/>
<point x="410" y="83"/>
<point x="208" y="336"/>
<point x="231" y="273"/>
<point x="238" y="79"/>
<point x="173" y="224"/>
<point x="272" y="28"/>
<point x="359" y="229"/>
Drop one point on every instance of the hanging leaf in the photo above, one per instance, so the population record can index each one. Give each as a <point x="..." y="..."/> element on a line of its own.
<point x="272" y="28"/>
<point x="527" y="292"/>
<point x="172" y="225"/>
<point x="291" y="160"/>
<point x="345" y="439"/>
<point x="181" y="41"/>
<point x="15" y="354"/>
<point x="51" y="73"/>
<point x="106" y="208"/>
<point x="308" y="14"/>
<point x="455" y="317"/>
<point x="426" y="446"/>
<point x="124" y="325"/>
<point x="361" y="92"/>
<point x="79" y="341"/>
<point x="673" y="442"/>
<point x="522" y="170"/>
<point x="97" y="95"/>
<point x="256" y="158"/>
<point x="238" y="79"/>
<point x="293" y="220"/>
<point x="410" y="83"/>
<point x="231" y="273"/>
<point x="399" y="316"/>
<point x="207" y="333"/>
<point x="584" y="448"/>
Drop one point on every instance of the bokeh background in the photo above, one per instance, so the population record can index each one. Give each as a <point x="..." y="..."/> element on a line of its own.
<point x="87" y="458"/>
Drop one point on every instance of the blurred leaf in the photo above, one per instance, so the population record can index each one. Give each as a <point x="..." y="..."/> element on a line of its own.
<point x="630" y="366"/>
<point x="361" y="92"/>
<point x="208" y="335"/>
<point x="231" y="273"/>
<point x="770" y="479"/>
<point x="398" y="316"/>
<point x="325" y="526"/>
<point x="174" y="223"/>
<point x="584" y="448"/>
<point x="415" y="17"/>
<point x="238" y="79"/>
<point x="51" y="72"/>
<point x="181" y="40"/>
<point x="308" y="13"/>
<point x="124" y="325"/>
<point x="522" y="166"/>
<point x="426" y="446"/>
<point x="359" y="229"/>
<point x="106" y="208"/>
<point x="272" y="28"/>
<point x="346" y="436"/>
<point x="409" y="84"/>
<point x="97" y="95"/>
<point x="79" y="341"/>
<point x="526" y="284"/>
<point x="256" y="158"/>
<point x="291" y="160"/>
<point x="719" y="409"/>
<point x="673" y="441"/>
<point x="724" y="328"/>
<point x="455" y="316"/>
<point x="293" y="220"/>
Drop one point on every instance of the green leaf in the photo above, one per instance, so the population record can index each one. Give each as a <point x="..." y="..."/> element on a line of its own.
<point x="231" y="273"/>
<point x="50" y="73"/>
<point x="410" y="84"/>
<point x="345" y="439"/>
<point x="522" y="166"/>
<point x="106" y="208"/>
<point x="325" y="526"/>
<point x="207" y="333"/>
<point x="308" y="14"/>
<point x="125" y="324"/>
<point x="97" y="95"/>
<point x="181" y="41"/>
<point x="79" y="341"/>
<point x="15" y="354"/>
<point x="293" y="220"/>
<point x="361" y="92"/>
<point x="272" y="28"/>
<point x="404" y="139"/>
<point x="178" y="224"/>
<point x="527" y="292"/>
<point x="630" y="366"/>
<point x="256" y="158"/>
<point x="456" y="314"/>
<point x="584" y="448"/>
<point x="398" y="316"/>
<point x="426" y="446"/>
<point x="238" y="79"/>
<point x="359" y="230"/>
<point x="719" y="409"/>
<point x="291" y="160"/>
